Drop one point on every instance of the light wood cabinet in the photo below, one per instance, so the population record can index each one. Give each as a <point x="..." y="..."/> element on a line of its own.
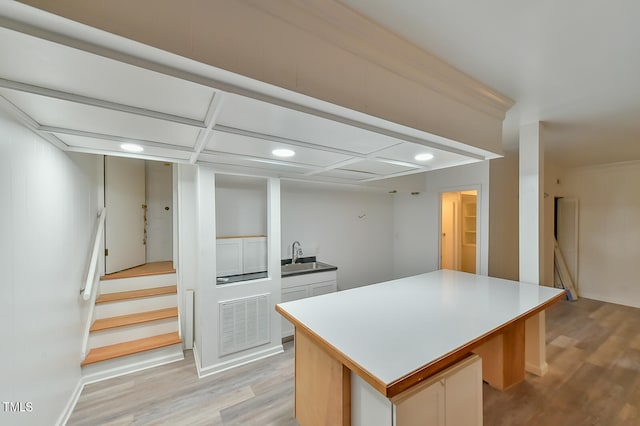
<point x="303" y="286"/>
<point x="452" y="397"/>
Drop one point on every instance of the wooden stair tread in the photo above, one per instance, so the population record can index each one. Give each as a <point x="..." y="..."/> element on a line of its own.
<point x="129" y="348"/>
<point x="135" y="294"/>
<point x="153" y="268"/>
<point x="131" y="319"/>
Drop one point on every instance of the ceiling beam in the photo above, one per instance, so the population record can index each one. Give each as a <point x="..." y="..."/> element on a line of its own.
<point x="215" y="106"/>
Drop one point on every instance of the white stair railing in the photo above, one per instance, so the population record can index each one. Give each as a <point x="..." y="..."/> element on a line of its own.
<point x="90" y="289"/>
<point x="93" y="263"/>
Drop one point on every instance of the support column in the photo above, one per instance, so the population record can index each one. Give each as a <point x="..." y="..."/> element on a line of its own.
<point x="531" y="237"/>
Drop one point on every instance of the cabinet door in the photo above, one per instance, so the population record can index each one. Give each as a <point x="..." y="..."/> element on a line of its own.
<point x="254" y="254"/>
<point x="463" y="395"/>
<point x="323" y="288"/>
<point x="426" y="407"/>
<point x="288" y="295"/>
<point x="228" y="256"/>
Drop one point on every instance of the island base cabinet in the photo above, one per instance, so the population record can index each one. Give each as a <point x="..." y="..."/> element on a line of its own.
<point x="452" y="397"/>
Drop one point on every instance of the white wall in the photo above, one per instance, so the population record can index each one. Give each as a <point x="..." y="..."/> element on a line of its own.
<point x="415" y="233"/>
<point x="504" y="220"/>
<point x="423" y="215"/>
<point x="48" y="210"/>
<point x="241" y="206"/>
<point x="609" y="230"/>
<point x="350" y="228"/>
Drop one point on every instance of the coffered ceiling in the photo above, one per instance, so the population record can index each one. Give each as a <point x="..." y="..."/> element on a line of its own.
<point x="84" y="102"/>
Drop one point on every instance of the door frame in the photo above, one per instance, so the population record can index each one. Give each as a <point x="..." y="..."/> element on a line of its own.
<point x="481" y="268"/>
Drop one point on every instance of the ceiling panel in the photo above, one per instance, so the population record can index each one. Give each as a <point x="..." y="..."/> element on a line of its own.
<point x="261" y="117"/>
<point x="246" y="145"/>
<point x="351" y="175"/>
<point x="114" y="147"/>
<point x="69" y="115"/>
<point x="24" y="58"/>
<point x="378" y="168"/>
<point x="407" y="151"/>
<point x="245" y="162"/>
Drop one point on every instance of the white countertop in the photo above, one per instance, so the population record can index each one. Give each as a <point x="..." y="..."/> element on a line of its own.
<point x="393" y="328"/>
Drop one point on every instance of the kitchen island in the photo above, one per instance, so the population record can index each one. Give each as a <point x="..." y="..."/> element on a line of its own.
<point x="362" y="351"/>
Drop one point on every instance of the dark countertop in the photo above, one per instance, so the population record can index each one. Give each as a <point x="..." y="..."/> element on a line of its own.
<point x="304" y="265"/>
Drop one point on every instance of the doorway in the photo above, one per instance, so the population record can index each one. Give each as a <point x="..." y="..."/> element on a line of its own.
<point x="459" y="218"/>
<point x="139" y="202"/>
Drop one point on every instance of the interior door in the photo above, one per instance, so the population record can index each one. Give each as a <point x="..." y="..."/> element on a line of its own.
<point x="124" y="195"/>
<point x="449" y="234"/>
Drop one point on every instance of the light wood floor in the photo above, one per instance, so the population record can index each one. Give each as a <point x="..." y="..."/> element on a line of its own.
<point x="593" y="353"/>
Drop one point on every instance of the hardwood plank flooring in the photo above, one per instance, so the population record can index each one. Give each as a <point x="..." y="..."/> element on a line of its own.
<point x="593" y="351"/>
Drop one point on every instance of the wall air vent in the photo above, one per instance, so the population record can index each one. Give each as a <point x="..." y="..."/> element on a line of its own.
<point x="243" y="323"/>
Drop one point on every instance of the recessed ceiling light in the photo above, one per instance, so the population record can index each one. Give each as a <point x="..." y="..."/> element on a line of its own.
<point x="283" y="152"/>
<point x="423" y="157"/>
<point x="131" y="147"/>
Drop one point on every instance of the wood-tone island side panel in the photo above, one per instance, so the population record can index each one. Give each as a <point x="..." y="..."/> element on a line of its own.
<point x="322" y="384"/>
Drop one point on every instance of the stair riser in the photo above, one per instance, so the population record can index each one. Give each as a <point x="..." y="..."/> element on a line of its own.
<point x="128" y="364"/>
<point x="137" y="283"/>
<point x="132" y="332"/>
<point x="132" y="306"/>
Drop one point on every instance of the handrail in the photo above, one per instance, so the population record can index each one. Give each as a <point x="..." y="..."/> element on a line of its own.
<point x="90" y="290"/>
<point x="93" y="263"/>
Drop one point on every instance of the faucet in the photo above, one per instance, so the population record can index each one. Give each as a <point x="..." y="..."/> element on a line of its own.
<point x="295" y="254"/>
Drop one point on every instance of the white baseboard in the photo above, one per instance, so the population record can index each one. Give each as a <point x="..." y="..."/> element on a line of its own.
<point x="131" y="364"/>
<point x="538" y="370"/>
<point x="236" y="362"/>
<point x="71" y="404"/>
<point x="610" y="299"/>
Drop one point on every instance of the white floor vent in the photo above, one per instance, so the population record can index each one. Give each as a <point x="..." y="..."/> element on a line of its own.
<point x="244" y="323"/>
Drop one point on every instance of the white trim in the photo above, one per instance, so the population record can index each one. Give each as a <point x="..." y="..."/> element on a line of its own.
<point x="133" y="367"/>
<point x="538" y="370"/>
<point x="608" y="299"/>
<point x="71" y="404"/>
<point x="482" y="258"/>
<point x="236" y="362"/>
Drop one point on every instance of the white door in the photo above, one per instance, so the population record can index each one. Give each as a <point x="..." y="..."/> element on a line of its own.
<point x="124" y="197"/>
<point x="159" y="196"/>
<point x="449" y="223"/>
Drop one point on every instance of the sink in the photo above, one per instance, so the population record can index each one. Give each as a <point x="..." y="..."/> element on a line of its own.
<point x="291" y="268"/>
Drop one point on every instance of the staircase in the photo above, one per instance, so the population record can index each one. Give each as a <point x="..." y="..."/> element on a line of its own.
<point x="136" y="322"/>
